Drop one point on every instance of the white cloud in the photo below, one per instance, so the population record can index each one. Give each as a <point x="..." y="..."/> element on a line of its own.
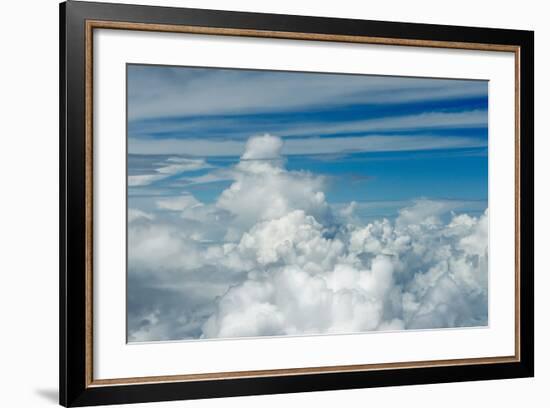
<point x="388" y="276"/>
<point x="293" y="239"/>
<point x="143" y="179"/>
<point x="154" y="245"/>
<point x="307" y="146"/>
<point x="176" y="165"/>
<point x="214" y="176"/>
<point x="264" y="190"/>
<point x="264" y="147"/>
<point x="424" y="212"/>
<point x="135" y="214"/>
<point x="172" y="166"/>
<point x="178" y="203"/>
<point x="268" y="258"/>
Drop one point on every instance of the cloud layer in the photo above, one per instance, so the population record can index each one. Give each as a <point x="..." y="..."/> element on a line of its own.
<point x="157" y="91"/>
<point x="304" y="146"/>
<point x="271" y="257"/>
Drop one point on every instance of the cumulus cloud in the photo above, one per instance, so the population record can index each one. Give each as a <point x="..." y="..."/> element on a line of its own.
<point x="264" y="147"/>
<point x="264" y="190"/>
<point x="383" y="276"/>
<point x="269" y="258"/>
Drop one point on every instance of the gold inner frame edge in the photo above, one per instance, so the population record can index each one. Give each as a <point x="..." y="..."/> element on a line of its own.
<point x="119" y="25"/>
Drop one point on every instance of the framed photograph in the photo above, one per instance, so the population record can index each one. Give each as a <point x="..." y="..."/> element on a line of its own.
<point x="257" y="203"/>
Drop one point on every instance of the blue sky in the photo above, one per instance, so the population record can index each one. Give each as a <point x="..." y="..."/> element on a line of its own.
<point x="379" y="141"/>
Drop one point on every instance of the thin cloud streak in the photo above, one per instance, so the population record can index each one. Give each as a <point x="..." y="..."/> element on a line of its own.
<point x="237" y="128"/>
<point x="309" y="146"/>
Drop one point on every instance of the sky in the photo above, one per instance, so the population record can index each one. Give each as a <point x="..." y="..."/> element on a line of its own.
<point x="218" y="158"/>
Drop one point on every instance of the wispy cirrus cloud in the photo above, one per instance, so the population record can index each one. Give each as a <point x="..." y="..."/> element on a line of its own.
<point x="422" y="121"/>
<point x="157" y="92"/>
<point x="170" y="167"/>
<point x="307" y="146"/>
<point x="239" y="127"/>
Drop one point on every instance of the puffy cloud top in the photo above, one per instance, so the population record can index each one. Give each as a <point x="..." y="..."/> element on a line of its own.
<point x="264" y="147"/>
<point x="264" y="190"/>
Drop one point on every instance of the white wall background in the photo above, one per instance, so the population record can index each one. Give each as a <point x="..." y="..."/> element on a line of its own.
<point x="29" y="204"/>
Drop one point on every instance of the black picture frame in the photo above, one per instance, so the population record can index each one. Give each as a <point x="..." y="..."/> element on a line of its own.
<point x="75" y="387"/>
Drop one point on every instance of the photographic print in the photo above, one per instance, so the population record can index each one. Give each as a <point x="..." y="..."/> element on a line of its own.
<point x="257" y="204"/>
<point x="275" y="203"/>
